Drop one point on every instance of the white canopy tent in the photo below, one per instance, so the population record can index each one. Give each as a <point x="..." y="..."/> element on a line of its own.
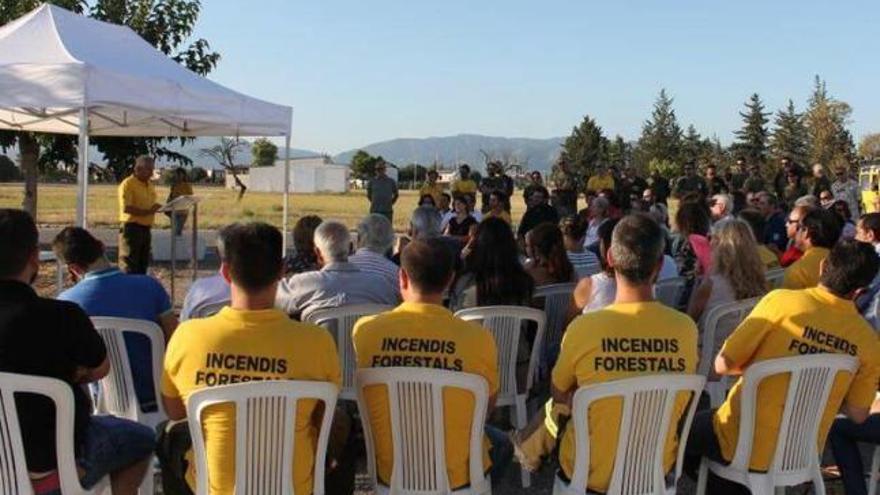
<point x="64" y="73"/>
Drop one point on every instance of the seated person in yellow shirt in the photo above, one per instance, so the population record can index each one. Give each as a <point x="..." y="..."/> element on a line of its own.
<point x="634" y="336"/>
<point x="425" y="273"/>
<point x="247" y="341"/>
<point x="817" y="232"/>
<point x="790" y="323"/>
<point x="497" y="207"/>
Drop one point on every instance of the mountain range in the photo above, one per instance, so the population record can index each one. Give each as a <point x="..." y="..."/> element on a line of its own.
<point x="532" y="154"/>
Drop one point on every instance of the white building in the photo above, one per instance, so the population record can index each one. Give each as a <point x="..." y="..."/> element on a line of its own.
<point x="307" y="175"/>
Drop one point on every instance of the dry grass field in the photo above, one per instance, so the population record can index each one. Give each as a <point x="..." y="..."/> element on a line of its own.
<point x="57" y="203"/>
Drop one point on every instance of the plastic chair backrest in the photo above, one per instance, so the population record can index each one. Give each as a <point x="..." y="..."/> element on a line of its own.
<point x="506" y="323"/>
<point x="668" y="291"/>
<point x="211" y="309"/>
<point x="557" y="299"/>
<point x="810" y="383"/>
<point x="14" y="477"/>
<point x="265" y="422"/>
<point x="774" y="278"/>
<point x="415" y="399"/>
<point x="340" y="323"/>
<point x="646" y="420"/>
<point x="717" y="324"/>
<point x="117" y="388"/>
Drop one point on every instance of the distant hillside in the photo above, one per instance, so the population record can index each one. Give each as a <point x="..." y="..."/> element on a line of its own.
<point x="537" y="154"/>
<point x="192" y="150"/>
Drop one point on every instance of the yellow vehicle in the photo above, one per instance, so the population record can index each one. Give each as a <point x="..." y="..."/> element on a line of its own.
<point x="869" y="178"/>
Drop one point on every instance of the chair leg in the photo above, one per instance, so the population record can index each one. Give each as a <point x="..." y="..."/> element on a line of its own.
<point x="702" y="477"/>
<point x="818" y="482"/>
<point x="872" y="476"/>
<point x="521" y="422"/>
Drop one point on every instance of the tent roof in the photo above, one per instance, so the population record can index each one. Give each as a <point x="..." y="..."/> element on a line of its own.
<point x="53" y="63"/>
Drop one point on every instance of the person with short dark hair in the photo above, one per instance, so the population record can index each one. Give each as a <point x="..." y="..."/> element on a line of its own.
<point x="538" y="212"/>
<point x="785" y="323"/>
<point x="868" y="230"/>
<point x="757" y="223"/>
<point x="465" y="184"/>
<point x="56" y="339"/>
<point x="596" y="349"/>
<point x="304" y="258"/>
<point x="848" y="227"/>
<point x="574" y="230"/>
<point x="103" y="290"/>
<point x="689" y="183"/>
<point x="755" y="182"/>
<point x="496" y="207"/>
<point x="715" y="184"/>
<point x="774" y="235"/>
<point x="816" y="234"/>
<point x="382" y="192"/>
<point x="535" y="182"/>
<point x="427" y="269"/>
<point x="247" y="341"/>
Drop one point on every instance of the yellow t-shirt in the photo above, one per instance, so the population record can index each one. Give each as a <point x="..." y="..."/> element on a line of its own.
<point x="598" y="182"/>
<point x="620" y="341"/>
<point x="804" y="273"/>
<point x="427" y="336"/>
<point x="436" y="191"/>
<point x="768" y="257"/>
<point x="236" y="346"/>
<point x="133" y="192"/>
<point x="790" y="323"/>
<point x="467" y="186"/>
<point x="503" y="215"/>
<point x="181" y="189"/>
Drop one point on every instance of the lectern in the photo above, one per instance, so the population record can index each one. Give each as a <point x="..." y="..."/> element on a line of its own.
<point x="176" y="205"/>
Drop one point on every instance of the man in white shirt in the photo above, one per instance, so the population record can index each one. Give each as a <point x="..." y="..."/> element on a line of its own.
<point x="206" y="290"/>
<point x="375" y="239"/>
<point x="338" y="283"/>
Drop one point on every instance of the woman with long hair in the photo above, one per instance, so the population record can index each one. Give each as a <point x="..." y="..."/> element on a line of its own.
<point x="462" y="222"/>
<point x="737" y="271"/>
<point x="493" y="274"/>
<point x="548" y="261"/>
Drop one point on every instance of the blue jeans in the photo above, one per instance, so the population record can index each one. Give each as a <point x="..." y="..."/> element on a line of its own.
<point x="112" y="444"/>
<point x="500" y="452"/>
<point x="844" y="438"/>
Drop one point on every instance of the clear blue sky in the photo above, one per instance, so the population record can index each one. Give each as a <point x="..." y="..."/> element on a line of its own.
<point x="358" y="72"/>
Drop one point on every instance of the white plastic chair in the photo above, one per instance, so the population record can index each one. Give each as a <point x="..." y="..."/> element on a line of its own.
<point x="874" y="475"/>
<point x="14" y="477"/>
<point x="668" y="291"/>
<point x="774" y="278"/>
<point x="265" y="419"/>
<point x="117" y="388"/>
<point x="715" y="326"/>
<point x="415" y="399"/>
<point x="340" y="323"/>
<point x="795" y="459"/>
<point x="557" y="299"/>
<point x="207" y="310"/>
<point x="646" y="420"/>
<point x="506" y="323"/>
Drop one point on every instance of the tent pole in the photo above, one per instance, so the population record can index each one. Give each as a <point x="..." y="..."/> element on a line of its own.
<point x="284" y="224"/>
<point x="82" y="193"/>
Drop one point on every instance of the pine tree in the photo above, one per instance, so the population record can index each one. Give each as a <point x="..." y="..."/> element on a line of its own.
<point x="692" y="146"/>
<point x="825" y="120"/>
<point x="619" y="152"/>
<point x="752" y="138"/>
<point x="584" y="149"/>
<point x="789" y="136"/>
<point x="661" y="135"/>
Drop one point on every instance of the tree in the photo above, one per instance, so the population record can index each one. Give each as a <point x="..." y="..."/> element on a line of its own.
<point x="363" y="165"/>
<point x="583" y="150"/>
<point x="198" y="174"/>
<point x="869" y="146"/>
<point x="413" y="174"/>
<point x="661" y="134"/>
<point x="264" y="153"/>
<point x="789" y="136"/>
<point x="224" y="154"/>
<point x="751" y="141"/>
<point x="694" y="148"/>
<point x="8" y="171"/>
<point x="619" y="152"/>
<point x="826" y="120"/>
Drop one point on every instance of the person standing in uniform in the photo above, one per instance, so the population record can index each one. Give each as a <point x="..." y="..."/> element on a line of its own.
<point x="382" y="192"/>
<point x="137" y="211"/>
